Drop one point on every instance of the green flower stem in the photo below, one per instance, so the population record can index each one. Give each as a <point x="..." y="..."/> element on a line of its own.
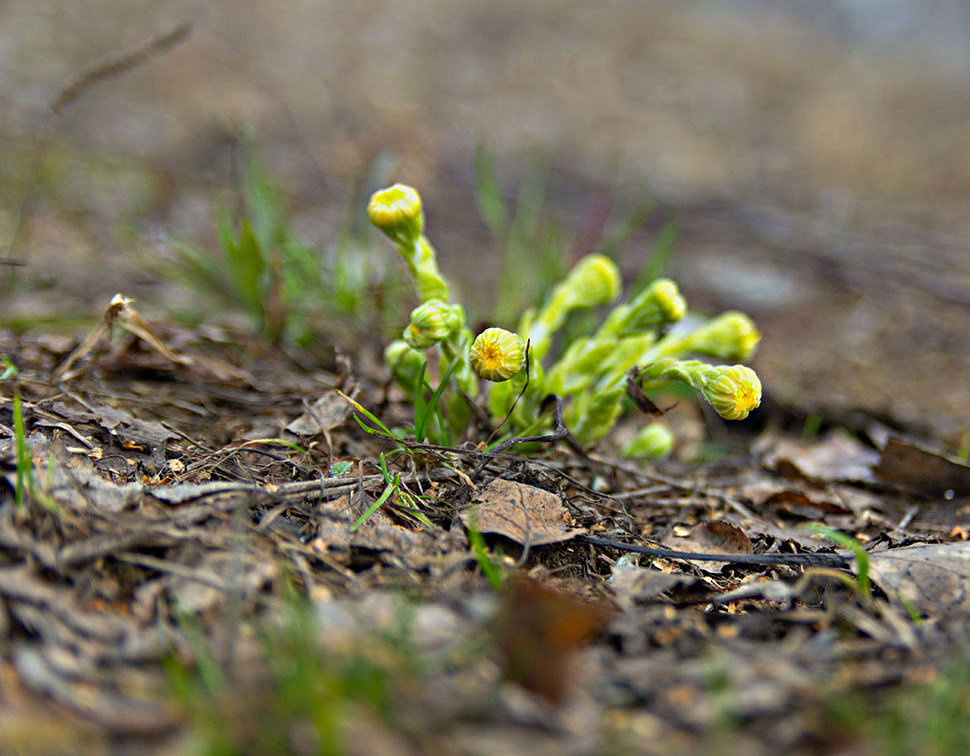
<point x="593" y="281"/>
<point x="423" y="264"/>
<point x="729" y="336"/>
<point x="657" y="306"/>
<point x="454" y="350"/>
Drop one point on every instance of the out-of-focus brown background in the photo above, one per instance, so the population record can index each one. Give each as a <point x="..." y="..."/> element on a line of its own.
<point x="817" y="154"/>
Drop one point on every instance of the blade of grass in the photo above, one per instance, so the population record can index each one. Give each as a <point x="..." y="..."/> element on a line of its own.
<point x="858" y="553"/>
<point x="23" y="455"/>
<point x="393" y="484"/>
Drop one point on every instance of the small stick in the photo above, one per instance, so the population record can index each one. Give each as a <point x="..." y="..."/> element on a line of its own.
<point x="810" y="560"/>
<point x="118" y="64"/>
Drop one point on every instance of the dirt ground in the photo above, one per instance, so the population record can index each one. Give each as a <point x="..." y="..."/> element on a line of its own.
<point x="815" y="162"/>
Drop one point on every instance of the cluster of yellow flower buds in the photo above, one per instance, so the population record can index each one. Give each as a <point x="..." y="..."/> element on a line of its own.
<point x="593" y="370"/>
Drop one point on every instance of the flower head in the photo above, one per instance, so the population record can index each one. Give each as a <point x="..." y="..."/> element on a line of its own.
<point x="733" y="391"/>
<point x="655" y="440"/>
<point x="659" y="304"/>
<point x="594" y="281"/>
<point x="497" y="355"/>
<point x="406" y="364"/>
<point x="397" y="212"/>
<point x="432" y="322"/>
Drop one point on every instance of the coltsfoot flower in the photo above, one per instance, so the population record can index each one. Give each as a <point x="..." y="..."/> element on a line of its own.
<point x="406" y="364"/>
<point x="397" y="212"/>
<point x="730" y="336"/>
<point x="655" y="440"/>
<point x="733" y="336"/>
<point x="593" y="282"/>
<point x="497" y="355"/>
<point x="432" y="322"/>
<point x="662" y="303"/>
<point x="733" y="391"/>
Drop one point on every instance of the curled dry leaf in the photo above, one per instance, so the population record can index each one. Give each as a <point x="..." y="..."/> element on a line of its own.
<point x="528" y="515"/>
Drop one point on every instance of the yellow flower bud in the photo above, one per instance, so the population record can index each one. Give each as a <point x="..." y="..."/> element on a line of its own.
<point x="729" y="336"/>
<point x="405" y="364"/>
<point x="655" y="440"/>
<point x="669" y="303"/>
<point x="733" y="391"/>
<point x="594" y="281"/>
<point x="735" y="336"/>
<point x="396" y="211"/>
<point x="432" y="322"/>
<point x="497" y="355"/>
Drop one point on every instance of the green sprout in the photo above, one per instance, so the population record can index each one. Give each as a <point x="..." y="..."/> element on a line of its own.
<point x="286" y="287"/>
<point x="637" y="343"/>
<point x="860" y="555"/>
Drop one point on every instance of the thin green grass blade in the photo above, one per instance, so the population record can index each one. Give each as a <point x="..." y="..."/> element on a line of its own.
<point x="23" y="455"/>
<point x="385" y="495"/>
<point x="488" y="192"/>
<point x="858" y="553"/>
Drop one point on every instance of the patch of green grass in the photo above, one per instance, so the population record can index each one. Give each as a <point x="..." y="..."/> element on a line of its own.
<point x="534" y="244"/>
<point x="298" y="694"/>
<point x="491" y="566"/>
<point x="289" y="289"/>
<point x="930" y="718"/>
<point x="24" y="465"/>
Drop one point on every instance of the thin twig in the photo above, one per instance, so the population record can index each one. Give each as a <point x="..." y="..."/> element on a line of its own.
<point x="811" y="560"/>
<point x="118" y="64"/>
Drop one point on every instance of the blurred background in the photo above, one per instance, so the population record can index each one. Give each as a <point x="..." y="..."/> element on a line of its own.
<point x="807" y="162"/>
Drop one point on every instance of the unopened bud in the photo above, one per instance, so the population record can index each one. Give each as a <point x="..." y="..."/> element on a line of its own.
<point x="497" y="355"/>
<point x="432" y="322"/>
<point x="396" y="211"/>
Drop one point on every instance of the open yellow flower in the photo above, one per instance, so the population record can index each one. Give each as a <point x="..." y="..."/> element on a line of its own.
<point x="497" y="355"/>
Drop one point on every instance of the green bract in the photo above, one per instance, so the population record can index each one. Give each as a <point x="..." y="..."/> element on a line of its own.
<point x="592" y="372"/>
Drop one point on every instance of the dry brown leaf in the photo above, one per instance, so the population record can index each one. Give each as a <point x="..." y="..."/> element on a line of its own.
<point x="539" y="630"/>
<point x="528" y="515"/>
<point x="923" y="470"/>
<point x="933" y="578"/>
<point x="713" y="537"/>
<point x="837" y="456"/>
<point x="326" y="413"/>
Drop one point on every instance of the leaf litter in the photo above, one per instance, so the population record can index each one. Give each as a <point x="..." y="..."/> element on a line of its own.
<point x="160" y="504"/>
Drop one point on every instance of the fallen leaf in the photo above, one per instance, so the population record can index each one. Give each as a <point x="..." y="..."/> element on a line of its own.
<point x="713" y="537"/>
<point x="799" y="506"/>
<point x="922" y="470"/>
<point x="835" y="457"/>
<point x="528" y="515"/>
<point x="631" y="583"/>
<point x="326" y="413"/>
<point x="539" y="631"/>
<point x="932" y="578"/>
